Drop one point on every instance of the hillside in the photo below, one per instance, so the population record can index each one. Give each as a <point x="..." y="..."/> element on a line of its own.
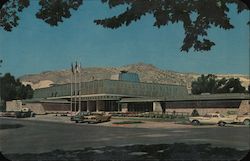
<point x="146" y="72"/>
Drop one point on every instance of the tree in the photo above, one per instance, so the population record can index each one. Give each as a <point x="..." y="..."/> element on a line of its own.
<point x="209" y="84"/>
<point x="231" y="85"/>
<point x="204" y="84"/>
<point x="11" y="89"/>
<point x="196" y="16"/>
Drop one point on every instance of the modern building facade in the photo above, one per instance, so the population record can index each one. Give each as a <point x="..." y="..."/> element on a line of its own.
<point x="124" y="92"/>
<point x="105" y="95"/>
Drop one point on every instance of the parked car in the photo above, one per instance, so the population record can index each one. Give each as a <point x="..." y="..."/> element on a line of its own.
<point x="78" y="117"/>
<point x="243" y="119"/>
<point x="212" y="118"/>
<point x="23" y="113"/>
<point x="96" y="118"/>
<point x="8" y="114"/>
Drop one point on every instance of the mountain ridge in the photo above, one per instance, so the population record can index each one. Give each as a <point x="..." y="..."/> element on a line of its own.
<point x="147" y="73"/>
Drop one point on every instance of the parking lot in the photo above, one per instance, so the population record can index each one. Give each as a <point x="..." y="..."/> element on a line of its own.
<point x="47" y="135"/>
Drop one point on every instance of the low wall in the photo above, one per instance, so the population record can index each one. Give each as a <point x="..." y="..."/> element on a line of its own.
<point x="244" y="107"/>
<point x="17" y="105"/>
<point x="14" y="105"/>
<point x="35" y="107"/>
<point x="203" y="111"/>
<point x="204" y="107"/>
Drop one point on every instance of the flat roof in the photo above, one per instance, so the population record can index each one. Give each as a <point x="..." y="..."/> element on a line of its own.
<point x="130" y="99"/>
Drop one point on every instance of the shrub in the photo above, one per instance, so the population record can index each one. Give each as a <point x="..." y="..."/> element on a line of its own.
<point x="195" y="113"/>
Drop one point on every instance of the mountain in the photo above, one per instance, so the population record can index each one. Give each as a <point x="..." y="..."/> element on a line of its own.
<point x="147" y="73"/>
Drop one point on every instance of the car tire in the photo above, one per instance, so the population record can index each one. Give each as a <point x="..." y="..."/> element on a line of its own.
<point x="195" y="122"/>
<point x="221" y="123"/>
<point x="76" y="121"/>
<point x="246" y="122"/>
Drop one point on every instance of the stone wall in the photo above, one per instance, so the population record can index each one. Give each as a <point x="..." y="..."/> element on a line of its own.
<point x="14" y="105"/>
<point x="17" y="105"/>
<point x="244" y="107"/>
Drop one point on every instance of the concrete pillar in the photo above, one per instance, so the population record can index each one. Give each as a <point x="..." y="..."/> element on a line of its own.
<point x="157" y="107"/>
<point x="100" y="105"/>
<point x="244" y="107"/>
<point x="124" y="107"/>
<point x="91" y="106"/>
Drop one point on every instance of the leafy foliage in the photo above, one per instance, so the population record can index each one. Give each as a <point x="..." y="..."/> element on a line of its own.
<point x="209" y="84"/>
<point x="53" y="11"/>
<point x="208" y="13"/>
<point x="9" y="12"/>
<point x="13" y="89"/>
<point x="196" y="16"/>
<point x="195" y="113"/>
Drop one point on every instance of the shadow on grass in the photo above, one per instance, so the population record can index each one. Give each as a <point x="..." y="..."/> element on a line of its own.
<point x="10" y="126"/>
<point x="176" y="151"/>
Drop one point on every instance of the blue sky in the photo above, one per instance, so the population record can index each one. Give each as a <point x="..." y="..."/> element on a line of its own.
<point x="34" y="46"/>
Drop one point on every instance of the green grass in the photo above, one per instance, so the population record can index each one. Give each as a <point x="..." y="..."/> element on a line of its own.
<point x="128" y="122"/>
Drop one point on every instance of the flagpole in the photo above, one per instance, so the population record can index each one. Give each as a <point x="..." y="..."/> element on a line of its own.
<point x="79" y="87"/>
<point x="71" y="88"/>
<point x="75" y="89"/>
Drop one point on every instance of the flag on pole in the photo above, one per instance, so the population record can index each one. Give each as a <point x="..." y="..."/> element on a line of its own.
<point x="77" y="68"/>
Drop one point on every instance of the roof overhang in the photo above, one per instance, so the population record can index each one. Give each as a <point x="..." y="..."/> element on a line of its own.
<point x="95" y="97"/>
<point x="208" y="97"/>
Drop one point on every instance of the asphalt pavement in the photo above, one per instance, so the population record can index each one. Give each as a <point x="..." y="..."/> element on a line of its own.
<point x="19" y="136"/>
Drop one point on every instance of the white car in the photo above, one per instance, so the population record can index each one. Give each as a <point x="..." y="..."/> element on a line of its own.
<point x="212" y="118"/>
<point x="243" y="119"/>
